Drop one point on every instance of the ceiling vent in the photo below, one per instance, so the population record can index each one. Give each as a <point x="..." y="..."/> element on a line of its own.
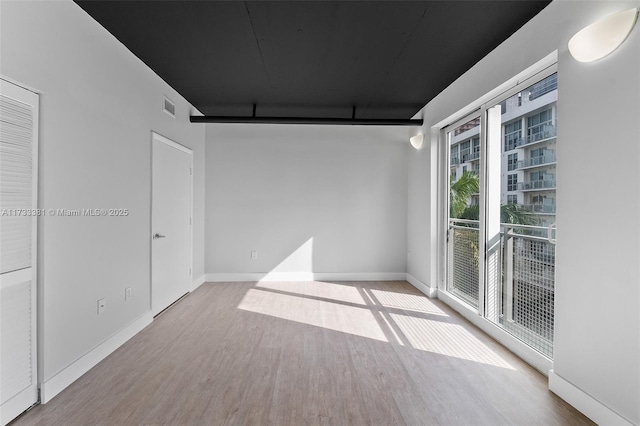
<point x="169" y="107"/>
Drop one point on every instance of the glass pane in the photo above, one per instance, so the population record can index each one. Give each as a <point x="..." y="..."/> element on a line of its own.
<point x="464" y="195"/>
<point x="527" y="208"/>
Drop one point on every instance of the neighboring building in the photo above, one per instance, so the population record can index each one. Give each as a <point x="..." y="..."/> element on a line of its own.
<point x="465" y="152"/>
<point x="528" y="150"/>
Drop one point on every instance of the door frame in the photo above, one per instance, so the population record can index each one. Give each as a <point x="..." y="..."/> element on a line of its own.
<point x="37" y="336"/>
<point x="157" y="136"/>
<point x="533" y="74"/>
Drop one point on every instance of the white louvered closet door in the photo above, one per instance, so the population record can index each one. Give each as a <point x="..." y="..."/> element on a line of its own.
<point x="18" y="219"/>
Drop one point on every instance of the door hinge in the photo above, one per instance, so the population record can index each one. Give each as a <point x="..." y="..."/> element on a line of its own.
<point x="189" y="271"/>
<point x="190" y="171"/>
<point x="189" y="221"/>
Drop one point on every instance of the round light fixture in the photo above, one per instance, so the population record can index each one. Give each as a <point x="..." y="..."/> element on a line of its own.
<point x="417" y="141"/>
<point x="416" y="137"/>
<point x="603" y="37"/>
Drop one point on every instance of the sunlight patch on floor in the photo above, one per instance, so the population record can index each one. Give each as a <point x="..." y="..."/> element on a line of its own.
<point x="324" y="290"/>
<point x="319" y="313"/>
<point x="411" y="302"/>
<point x="447" y="339"/>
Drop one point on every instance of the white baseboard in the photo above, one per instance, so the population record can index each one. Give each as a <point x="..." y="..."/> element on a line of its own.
<point x="198" y="282"/>
<point x="428" y="291"/>
<point x="529" y="355"/>
<point x="305" y="276"/>
<point x="359" y="276"/>
<point x="585" y="403"/>
<point x="72" y="372"/>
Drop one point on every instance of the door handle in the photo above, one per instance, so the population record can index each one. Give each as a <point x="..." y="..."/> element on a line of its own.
<point x="156" y="236"/>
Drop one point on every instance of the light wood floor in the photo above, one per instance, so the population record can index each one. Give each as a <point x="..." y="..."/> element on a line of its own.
<point x="376" y="353"/>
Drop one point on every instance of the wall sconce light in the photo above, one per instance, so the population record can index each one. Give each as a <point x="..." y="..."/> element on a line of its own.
<point x="416" y="137"/>
<point x="603" y="37"/>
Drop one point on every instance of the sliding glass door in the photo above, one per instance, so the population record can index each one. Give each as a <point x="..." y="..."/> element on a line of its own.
<point x="463" y="139"/>
<point x="502" y="198"/>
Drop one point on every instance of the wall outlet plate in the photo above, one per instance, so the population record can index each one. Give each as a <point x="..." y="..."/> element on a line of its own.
<point x="102" y="305"/>
<point x="127" y="293"/>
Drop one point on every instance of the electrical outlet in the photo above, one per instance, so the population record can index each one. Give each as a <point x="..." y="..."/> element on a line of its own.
<point x="102" y="306"/>
<point x="254" y="255"/>
<point x="127" y="293"/>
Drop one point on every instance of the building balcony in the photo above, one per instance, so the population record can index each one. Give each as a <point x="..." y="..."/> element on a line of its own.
<point x="537" y="185"/>
<point x="542" y="133"/>
<point x="537" y="161"/>
<point x="455" y="161"/>
<point x="466" y="158"/>
<point x="540" y="208"/>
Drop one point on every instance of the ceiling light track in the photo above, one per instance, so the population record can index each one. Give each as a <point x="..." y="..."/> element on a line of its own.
<point x="306" y="120"/>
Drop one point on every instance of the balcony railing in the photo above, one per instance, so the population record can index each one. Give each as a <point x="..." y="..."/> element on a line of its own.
<point x="537" y="161"/>
<point x="543" y="87"/>
<point x="455" y="161"/>
<point x="536" y="134"/>
<point x="536" y="185"/>
<point x="521" y="296"/>
<point x="540" y="208"/>
<point x="463" y="260"/>
<point x="470" y="157"/>
<point x="539" y="132"/>
<point x="528" y="287"/>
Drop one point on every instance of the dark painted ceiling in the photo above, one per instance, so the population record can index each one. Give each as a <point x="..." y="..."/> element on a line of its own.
<point x="311" y="58"/>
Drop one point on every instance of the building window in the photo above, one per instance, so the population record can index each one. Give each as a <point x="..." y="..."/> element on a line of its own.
<point x="454" y="175"/>
<point x="512" y="182"/>
<point x="465" y="151"/>
<point x="543" y="87"/>
<point x="539" y="126"/>
<point x="512" y="162"/>
<point x="475" y="142"/>
<point x="512" y="199"/>
<point x="535" y="176"/>
<point x="512" y="135"/>
<point x="464" y="169"/>
<point x="454" y="155"/>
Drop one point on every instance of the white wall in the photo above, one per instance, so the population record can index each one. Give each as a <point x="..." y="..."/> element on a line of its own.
<point x="598" y="277"/>
<point x="99" y="104"/>
<point x="272" y="188"/>
<point x="597" y="344"/>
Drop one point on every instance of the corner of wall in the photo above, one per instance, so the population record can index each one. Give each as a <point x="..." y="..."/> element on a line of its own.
<point x="424" y="288"/>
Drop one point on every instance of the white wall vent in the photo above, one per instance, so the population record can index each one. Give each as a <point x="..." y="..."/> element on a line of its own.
<point x="169" y="107"/>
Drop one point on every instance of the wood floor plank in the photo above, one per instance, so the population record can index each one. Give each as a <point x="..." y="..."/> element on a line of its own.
<point x="308" y="353"/>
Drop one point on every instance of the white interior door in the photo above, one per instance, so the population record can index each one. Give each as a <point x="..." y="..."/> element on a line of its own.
<point x="171" y="222"/>
<point x="18" y="200"/>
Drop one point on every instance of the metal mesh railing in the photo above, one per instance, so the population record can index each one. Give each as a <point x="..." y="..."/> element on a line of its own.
<point x="521" y="294"/>
<point x="529" y="286"/>
<point x="464" y="257"/>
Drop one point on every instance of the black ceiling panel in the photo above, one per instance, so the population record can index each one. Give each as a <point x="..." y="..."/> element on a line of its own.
<point x="311" y="58"/>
